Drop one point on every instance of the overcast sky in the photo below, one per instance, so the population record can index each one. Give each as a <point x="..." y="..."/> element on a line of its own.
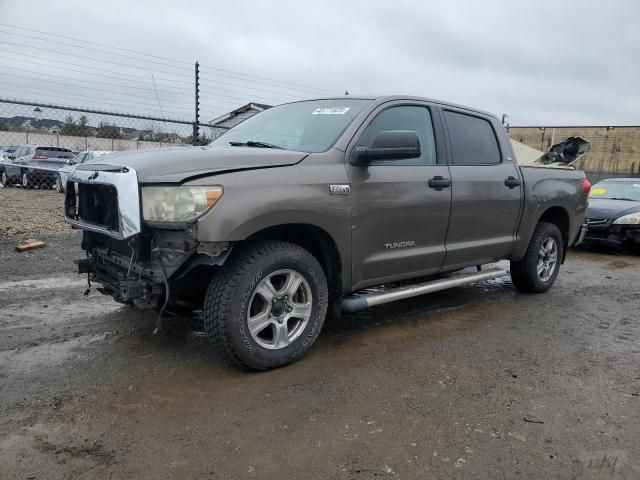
<point x="543" y="63"/>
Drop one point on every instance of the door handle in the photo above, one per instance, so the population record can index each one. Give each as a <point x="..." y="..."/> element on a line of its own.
<point x="512" y="182"/>
<point x="438" y="183"/>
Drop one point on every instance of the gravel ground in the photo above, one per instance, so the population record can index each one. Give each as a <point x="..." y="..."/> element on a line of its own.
<point x="31" y="213"/>
<point x="478" y="382"/>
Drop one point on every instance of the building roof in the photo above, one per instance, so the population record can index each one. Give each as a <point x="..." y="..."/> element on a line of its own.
<point x="245" y="108"/>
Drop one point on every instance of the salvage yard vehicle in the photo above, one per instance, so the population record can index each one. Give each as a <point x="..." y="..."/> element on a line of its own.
<point x="81" y="157"/>
<point x="294" y="213"/>
<point x="35" y="166"/>
<point x="613" y="214"/>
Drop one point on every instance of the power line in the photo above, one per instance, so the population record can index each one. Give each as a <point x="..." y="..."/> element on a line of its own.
<point x="123" y="79"/>
<point x="89" y="99"/>
<point x="222" y="107"/>
<point x="88" y="48"/>
<point x="306" y="87"/>
<point x="179" y="92"/>
<point x="92" y="59"/>
<point x="90" y="88"/>
<point x="311" y="87"/>
<point x="94" y="43"/>
<point x="184" y="82"/>
<point x="216" y="82"/>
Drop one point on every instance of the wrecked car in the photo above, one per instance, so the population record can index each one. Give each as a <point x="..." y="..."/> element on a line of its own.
<point x="613" y="214"/>
<point x="294" y="213"/>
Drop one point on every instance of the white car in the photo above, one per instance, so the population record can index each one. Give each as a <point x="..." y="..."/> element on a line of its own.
<point x="82" y="157"/>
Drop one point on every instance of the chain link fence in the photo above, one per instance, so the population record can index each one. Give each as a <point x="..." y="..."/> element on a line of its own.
<point x="41" y="143"/>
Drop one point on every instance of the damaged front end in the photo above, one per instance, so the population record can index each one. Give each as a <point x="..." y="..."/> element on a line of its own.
<point x="135" y="263"/>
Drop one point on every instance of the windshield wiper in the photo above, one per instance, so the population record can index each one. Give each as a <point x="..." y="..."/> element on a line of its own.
<point x="623" y="198"/>
<point x="251" y="143"/>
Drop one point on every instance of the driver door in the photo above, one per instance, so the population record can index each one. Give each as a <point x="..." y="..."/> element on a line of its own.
<point x="399" y="222"/>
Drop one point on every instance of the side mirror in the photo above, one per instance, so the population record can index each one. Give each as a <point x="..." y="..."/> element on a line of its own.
<point x="390" y="145"/>
<point x="12" y="157"/>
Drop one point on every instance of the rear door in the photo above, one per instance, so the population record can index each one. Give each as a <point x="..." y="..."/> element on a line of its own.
<point x="486" y="190"/>
<point x="399" y="223"/>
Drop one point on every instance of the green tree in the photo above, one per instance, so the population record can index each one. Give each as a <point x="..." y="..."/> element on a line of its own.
<point x="108" y="131"/>
<point x="83" y="129"/>
<point x="69" y="126"/>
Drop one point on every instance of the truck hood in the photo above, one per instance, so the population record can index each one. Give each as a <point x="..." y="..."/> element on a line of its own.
<point x="601" y="208"/>
<point x="179" y="164"/>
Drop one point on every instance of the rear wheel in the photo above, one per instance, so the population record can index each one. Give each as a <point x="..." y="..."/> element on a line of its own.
<point x="266" y="306"/>
<point x="537" y="271"/>
<point x="25" y="180"/>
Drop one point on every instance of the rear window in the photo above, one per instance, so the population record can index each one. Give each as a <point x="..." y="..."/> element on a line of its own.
<point x="473" y="141"/>
<point x="54" y="152"/>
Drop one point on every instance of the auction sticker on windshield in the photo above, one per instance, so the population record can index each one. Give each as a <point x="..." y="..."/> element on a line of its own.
<point x="330" y="111"/>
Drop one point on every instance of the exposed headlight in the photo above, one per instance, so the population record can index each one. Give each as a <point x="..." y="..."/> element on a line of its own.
<point x="631" y="219"/>
<point x="177" y="204"/>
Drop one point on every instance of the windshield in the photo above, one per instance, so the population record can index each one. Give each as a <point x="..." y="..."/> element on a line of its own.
<point x="312" y="126"/>
<point x="617" y="190"/>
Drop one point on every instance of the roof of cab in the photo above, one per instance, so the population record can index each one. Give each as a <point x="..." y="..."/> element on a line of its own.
<point x="389" y="98"/>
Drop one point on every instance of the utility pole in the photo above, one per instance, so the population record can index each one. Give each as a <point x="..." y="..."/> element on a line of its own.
<point x="197" y="105"/>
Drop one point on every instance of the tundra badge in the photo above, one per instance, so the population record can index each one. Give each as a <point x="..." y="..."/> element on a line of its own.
<point x="408" y="243"/>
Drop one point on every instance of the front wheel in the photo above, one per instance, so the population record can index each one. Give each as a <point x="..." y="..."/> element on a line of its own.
<point x="538" y="270"/>
<point x="4" y="180"/>
<point x="265" y="308"/>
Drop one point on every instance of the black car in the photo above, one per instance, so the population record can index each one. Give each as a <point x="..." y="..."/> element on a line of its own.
<point x="613" y="214"/>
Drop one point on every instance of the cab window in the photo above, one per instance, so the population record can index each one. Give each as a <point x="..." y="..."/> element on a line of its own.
<point x="404" y="117"/>
<point x="473" y="141"/>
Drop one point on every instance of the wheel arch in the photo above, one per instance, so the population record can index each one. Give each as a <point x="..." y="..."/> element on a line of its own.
<point x="318" y="242"/>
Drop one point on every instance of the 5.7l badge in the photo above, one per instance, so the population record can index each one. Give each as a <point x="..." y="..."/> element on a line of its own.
<point x="339" y="189"/>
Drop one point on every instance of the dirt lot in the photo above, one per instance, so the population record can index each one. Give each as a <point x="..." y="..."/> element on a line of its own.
<point x="474" y="383"/>
<point x="31" y="213"/>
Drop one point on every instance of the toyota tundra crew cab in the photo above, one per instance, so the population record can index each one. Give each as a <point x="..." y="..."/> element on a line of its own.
<point x="293" y="214"/>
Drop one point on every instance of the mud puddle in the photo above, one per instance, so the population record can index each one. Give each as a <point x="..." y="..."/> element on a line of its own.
<point x="46" y="355"/>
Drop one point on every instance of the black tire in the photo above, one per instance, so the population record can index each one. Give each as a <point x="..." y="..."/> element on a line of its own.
<point x="4" y="179"/>
<point x="525" y="273"/>
<point x="232" y="291"/>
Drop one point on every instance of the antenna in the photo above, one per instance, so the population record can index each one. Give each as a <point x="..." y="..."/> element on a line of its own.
<point x="157" y="96"/>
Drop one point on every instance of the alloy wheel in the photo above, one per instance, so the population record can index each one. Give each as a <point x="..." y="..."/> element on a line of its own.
<point x="547" y="259"/>
<point x="280" y="309"/>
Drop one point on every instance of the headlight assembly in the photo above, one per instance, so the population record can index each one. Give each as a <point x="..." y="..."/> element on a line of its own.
<point x="177" y="204"/>
<point x="631" y="219"/>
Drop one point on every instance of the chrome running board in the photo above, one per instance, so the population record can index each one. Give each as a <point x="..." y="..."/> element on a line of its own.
<point x="356" y="302"/>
